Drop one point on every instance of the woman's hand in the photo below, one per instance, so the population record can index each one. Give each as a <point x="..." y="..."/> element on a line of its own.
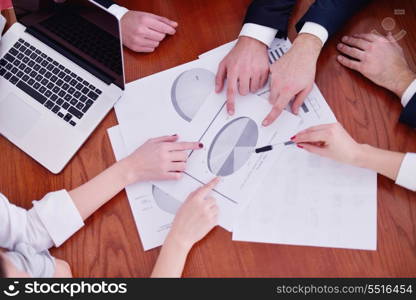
<point x="160" y="158"/>
<point x="331" y="141"/>
<point x="197" y="216"/>
<point x="334" y="142"/>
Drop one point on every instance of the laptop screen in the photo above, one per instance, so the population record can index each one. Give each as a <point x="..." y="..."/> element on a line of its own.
<point x="78" y="29"/>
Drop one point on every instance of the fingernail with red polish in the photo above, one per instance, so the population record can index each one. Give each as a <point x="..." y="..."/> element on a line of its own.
<point x="300" y="146"/>
<point x="201" y="145"/>
<point x="293" y="137"/>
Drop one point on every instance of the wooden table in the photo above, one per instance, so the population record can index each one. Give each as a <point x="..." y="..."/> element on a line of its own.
<point x="109" y="245"/>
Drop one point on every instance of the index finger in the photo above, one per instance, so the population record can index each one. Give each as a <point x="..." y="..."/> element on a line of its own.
<point x="220" y="77"/>
<point x="272" y="116"/>
<point x="284" y="99"/>
<point x="274" y="92"/>
<point x="203" y="191"/>
<point x="167" y="138"/>
<point x="370" y="37"/>
<point x="183" y="146"/>
<point x="316" y="128"/>
<point x="311" y="137"/>
<point x="231" y="91"/>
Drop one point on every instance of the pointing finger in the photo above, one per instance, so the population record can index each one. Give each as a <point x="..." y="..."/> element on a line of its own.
<point x="183" y="146"/>
<point x="272" y="116"/>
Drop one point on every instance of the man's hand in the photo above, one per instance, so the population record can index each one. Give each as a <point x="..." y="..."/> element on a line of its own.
<point x="142" y="32"/>
<point x="378" y="58"/>
<point x="293" y="75"/>
<point x="246" y="69"/>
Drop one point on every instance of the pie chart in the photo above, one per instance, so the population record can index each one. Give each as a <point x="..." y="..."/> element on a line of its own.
<point x="232" y="146"/>
<point x="165" y="201"/>
<point x="190" y="90"/>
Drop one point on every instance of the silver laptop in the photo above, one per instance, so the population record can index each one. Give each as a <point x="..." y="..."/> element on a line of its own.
<point x="61" y="72"/>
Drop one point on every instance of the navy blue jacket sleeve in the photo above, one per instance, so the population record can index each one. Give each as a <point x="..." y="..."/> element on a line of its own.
<point x="271" y="13"/>
<point x="408" y="115"/>
<point x="331" y="14"/>
<point x="105" y="3"/>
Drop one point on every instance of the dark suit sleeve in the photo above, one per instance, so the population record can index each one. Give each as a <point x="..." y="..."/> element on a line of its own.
<point x="331" y="14"/>
<point x="271" y="13"/>
<point x="105" y="3"/>
<point x="408" y="115"/>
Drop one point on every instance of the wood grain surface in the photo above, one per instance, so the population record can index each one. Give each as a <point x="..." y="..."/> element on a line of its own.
<point x="109" y="245"/>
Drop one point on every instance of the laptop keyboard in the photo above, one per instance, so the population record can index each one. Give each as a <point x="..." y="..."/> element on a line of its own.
<point x="64" y="93"/>
<point x="83" y="34"/>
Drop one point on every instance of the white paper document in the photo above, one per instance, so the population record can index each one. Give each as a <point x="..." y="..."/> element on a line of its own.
<point x="306" y="199"/>
<point x="314" y="110"/>
<point x="312" y="201"/>
<point x="182" y="100"/>
<point x="153" y="210"/>
<point x="284" y="196"/>
<point x="165" y="104"/>
<point x="229" y="150"/>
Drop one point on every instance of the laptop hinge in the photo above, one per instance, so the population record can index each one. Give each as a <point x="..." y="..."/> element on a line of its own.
<point x="73" y="57"/>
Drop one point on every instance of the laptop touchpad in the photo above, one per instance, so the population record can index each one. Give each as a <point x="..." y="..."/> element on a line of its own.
<point x="16" y="116"/>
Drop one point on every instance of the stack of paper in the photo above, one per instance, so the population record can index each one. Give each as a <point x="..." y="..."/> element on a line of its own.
<point x="282" y="196"/>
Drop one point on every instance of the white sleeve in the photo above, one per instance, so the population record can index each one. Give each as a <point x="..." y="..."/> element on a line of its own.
<point x="36" y="264"/>
<point x="117" y="10"/>
<point x="317" y="30"/>
<point x="17" y="226"/>
<point x="261" y="33"/>
<point x="2" y="24"/>
<point x="407" y="173"/>
<point x="409" y="93"/>
<point x="59" y="216"/>
<point x="50" y="222"/>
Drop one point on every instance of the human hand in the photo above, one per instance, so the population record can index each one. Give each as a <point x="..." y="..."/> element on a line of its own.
<point x="160" y="158"/>
<point x="246" y="69"/>
<point x="331" y="141"/>
<point x="143" y="32"/>
<point x="196" y="217"/>
<point x="293" y="75"/>
<point x="378" y="58"/>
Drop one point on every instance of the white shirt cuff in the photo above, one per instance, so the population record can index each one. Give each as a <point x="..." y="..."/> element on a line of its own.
<point x="59" y="215"/>
<point x="117" y="10"/>
<point x="2" y="23"/>
<point x="317" y="30"/>
<point x="407" y="173"/>
<point x="409" y="93"/>
<point x="261" y="33"/>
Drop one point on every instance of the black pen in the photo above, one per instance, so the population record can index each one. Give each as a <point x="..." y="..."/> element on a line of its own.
<point x="270" y="147"/>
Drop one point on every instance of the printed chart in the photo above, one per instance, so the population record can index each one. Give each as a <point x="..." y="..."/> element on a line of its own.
<point x="164" y="201"/>
<point x="190" y="90"/>
<point x="232" y="146"/>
